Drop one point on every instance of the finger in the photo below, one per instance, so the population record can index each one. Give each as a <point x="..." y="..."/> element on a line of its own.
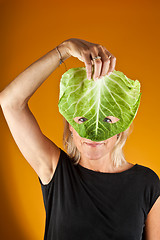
<point x="112" y="64"/>
<point x="112" y="61"/>
<point x="105" y="63"/>
<point x="88" y="63"/>
<point x="97" y="66"/>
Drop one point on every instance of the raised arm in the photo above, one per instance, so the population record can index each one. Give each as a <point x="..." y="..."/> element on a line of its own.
<point x="41" y="153"/>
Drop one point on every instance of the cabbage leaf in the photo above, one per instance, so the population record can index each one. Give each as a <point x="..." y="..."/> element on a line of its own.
<point x="114" y="96"/>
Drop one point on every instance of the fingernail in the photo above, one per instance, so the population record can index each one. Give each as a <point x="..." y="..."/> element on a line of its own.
<point x="109" y="73"/>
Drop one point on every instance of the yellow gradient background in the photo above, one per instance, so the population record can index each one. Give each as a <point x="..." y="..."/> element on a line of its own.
<point x="29" y="29"/>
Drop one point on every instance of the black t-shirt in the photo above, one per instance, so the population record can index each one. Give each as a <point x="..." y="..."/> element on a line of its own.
<point x="82" y="204"/>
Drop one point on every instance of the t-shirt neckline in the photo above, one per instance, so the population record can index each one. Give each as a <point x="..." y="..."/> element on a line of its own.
<point x="106" y="173"/>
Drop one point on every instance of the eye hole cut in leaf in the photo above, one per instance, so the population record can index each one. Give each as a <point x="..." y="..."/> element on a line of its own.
<point x="110" y="119"/>
<point x="100" y="109"/>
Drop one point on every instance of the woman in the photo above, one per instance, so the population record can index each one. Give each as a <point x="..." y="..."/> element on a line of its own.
<point x="89" y="199"/>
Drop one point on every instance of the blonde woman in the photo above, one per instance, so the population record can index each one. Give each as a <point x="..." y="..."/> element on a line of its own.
<point x="92" y="191"/>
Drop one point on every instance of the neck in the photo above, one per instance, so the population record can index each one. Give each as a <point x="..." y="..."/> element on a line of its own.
<point x="103" y="164"/>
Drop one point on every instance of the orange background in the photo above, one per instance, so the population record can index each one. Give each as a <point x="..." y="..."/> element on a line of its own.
<point x="29" y="29"/>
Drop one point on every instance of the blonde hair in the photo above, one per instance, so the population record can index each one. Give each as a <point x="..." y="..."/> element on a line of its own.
<point x="117" y="154"/>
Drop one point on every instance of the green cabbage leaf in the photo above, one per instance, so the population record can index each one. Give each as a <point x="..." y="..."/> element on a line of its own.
<point x="112" y="97"/>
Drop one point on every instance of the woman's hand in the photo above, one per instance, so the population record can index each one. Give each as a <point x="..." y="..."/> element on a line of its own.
<point x="86" y="51"/>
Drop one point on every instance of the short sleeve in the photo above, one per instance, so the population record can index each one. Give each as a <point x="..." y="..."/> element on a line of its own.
<point x="153" y="190"/>
<point x="48" y="188"/>
<point x="52" y="179"/>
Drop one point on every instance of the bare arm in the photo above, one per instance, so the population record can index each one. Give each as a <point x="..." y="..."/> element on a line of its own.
<point x="41" y="153"/>
<point x="152" y="228"/>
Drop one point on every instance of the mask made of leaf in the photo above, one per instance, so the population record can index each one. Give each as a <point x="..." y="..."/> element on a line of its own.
<point x="100" y="109"/>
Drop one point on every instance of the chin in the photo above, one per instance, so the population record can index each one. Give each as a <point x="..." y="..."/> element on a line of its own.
<point x="94" y="154"/>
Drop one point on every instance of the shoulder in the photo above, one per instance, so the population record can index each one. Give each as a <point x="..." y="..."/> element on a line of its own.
<point x="148" y="173"/>
<point x="65" y="161"/>
<point x="64" y="156"/>
<point x="148" y="181"/>
<point x="149" y="185"/>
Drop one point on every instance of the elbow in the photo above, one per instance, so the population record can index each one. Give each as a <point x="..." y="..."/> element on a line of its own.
<point x="7" y="103"/>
